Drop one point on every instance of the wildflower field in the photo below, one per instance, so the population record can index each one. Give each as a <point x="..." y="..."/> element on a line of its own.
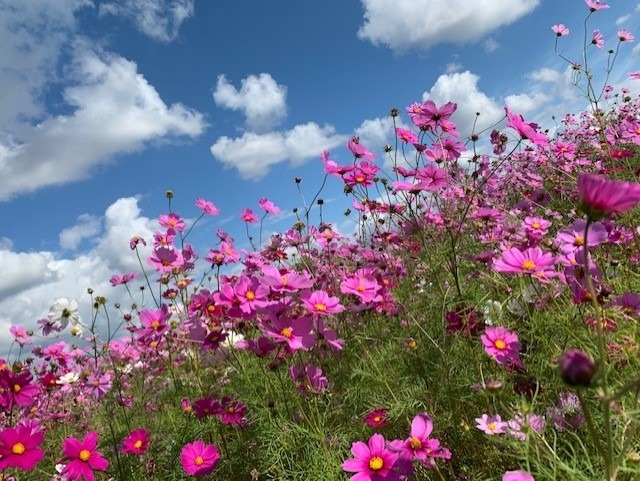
<point x="480" y="323"/>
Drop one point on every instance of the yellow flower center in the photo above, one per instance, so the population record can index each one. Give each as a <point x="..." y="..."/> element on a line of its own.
<point x="536" y="225"/>
<point x="578" y="241"/>
<point x="376" y="463"/>
<point x="16" y="388"/>
<point x="137" y="444"/>
<point x="287" y="332"/>
<point x="18" y="448"/>
<point x="84" y="455"/>
<point x="155" y="325"/>
<point x="198" y="461"/>
<point x="377" y="419"/>
<point x="491" y="426"/>
<point x="320" y="307"/>
<point x="415" y="443"/>
<point x="250" y="295"/>
<point x="528" y="265"/>
<point x="360" y="288"/>
<point x="500" y="344"/>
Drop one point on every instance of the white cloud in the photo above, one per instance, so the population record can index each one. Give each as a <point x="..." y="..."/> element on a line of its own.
<point x="260" y="98"/>
<point x="462" y="89"/>
<point x="622" y="19"/>
<point x="87" y="227"/>
<point x="115" y="110"/>
<point x="159" y="19"/>
<point x="253" y="154"/>
<point x="453" y="67"/>
<point x="402" y="24"/>
<point x="33" y="35"/>
<point x="33" y="280"/>
<point x="525" y="103"/>
<point x="490" y="45"/>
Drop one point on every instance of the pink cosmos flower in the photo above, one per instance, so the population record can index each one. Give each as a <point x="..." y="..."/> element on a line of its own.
<point x="598" y="39"/>
<point x="284" y="280"/>
<point x="205" y="406"/>
<point x="625" y="36"/>
<point x="526" y="130"/>
<point x="308" y="379"/>
<point x="268" y="206"/>
<point x="154" y="322"/>
<point x="366" y="287"/>
<point x="296" y="333"/>
<point x="19" y="448"/>
<point x="501" y="344"/>
<point x="491" y="424"/>
<point x="21" y="335"/>
<point x="249" y="217"/>
<point x="533" y="261"/>
<point x="137" y="442"/>
<point x="198" y="458"/>
<point x="16" y="389"/>
<point x="634" y="75"/>
<point x="82" y="457"/>
<point x="419" y="445"/>
<point x="172" y="221"/>
<point x="595" y="5"/>
<point x="520" y="427"/>
<point x="517" y="476"/>
<point x="359" y="151"/>
<point x="206" y="206"/>
<point x="372" y="461"/>
<point x="122" y="279"/>
<point x="319" y="302"/>
<point x="377" y="418"/>
<point x="407" y="136"/>
<point x="231" y="412"/>
<point x="560" y="30"/>
<point x="165" y="259"/>
<point x="600" y="196"/>
<point x="573" y="237"/>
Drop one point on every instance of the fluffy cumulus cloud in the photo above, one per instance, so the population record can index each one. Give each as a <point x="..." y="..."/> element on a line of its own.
<point x="106" y="108"/>
<point x="34" y="280"/>
<point x="115" y="110"/>
<point x="159" y="19"/>
<point x="260" y="98"/>
<point x="86" y="227"/>
<point x="403" y="24"/>
<point x="462" y="88"/>
<point x="254" y="154"/>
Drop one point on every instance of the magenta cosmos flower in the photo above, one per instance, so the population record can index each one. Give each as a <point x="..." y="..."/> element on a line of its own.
<point x="517" y="476"/>
<point x="198" y="458"/>
<point x="372" y="461"/>
<point x="319" y="302"/>
<point x="501" y="344"/>
<point x="532" y="261"/>
<point x="600" y="196"/>
<point x="82" y="458"/>
<point x="137" y="442"/>
<point x="419" y="445"/>
<point x="19" y="448"/>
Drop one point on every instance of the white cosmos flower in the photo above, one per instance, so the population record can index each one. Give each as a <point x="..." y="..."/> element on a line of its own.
<point x="63" y="312"/>
<point x="68" y="378"/>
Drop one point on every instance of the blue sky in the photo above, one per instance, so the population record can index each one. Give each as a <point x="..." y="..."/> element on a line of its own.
<point x="107" y="104"/>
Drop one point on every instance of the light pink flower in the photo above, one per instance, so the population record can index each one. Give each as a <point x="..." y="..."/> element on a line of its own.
<point x="501" y="344"/>
<point x="491" y="424"/>
<point x="600" y="196"/>
<point x="560" y="30"/>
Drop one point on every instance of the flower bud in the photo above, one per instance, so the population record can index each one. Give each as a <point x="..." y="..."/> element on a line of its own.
<point x="576" y="367"/>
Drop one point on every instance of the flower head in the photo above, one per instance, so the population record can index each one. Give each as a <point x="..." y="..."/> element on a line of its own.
<point x="137" y="442"/>
<point x="372" y="461"/>
<point x="82" y="457"/>
<point x="62" y="312"/>
<point x="600" y="196"/>
<point x="19" y="448"/>
<point x="560" y="30"/>
<point x="501" y="344"/>
<point x="198" y="458"/>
